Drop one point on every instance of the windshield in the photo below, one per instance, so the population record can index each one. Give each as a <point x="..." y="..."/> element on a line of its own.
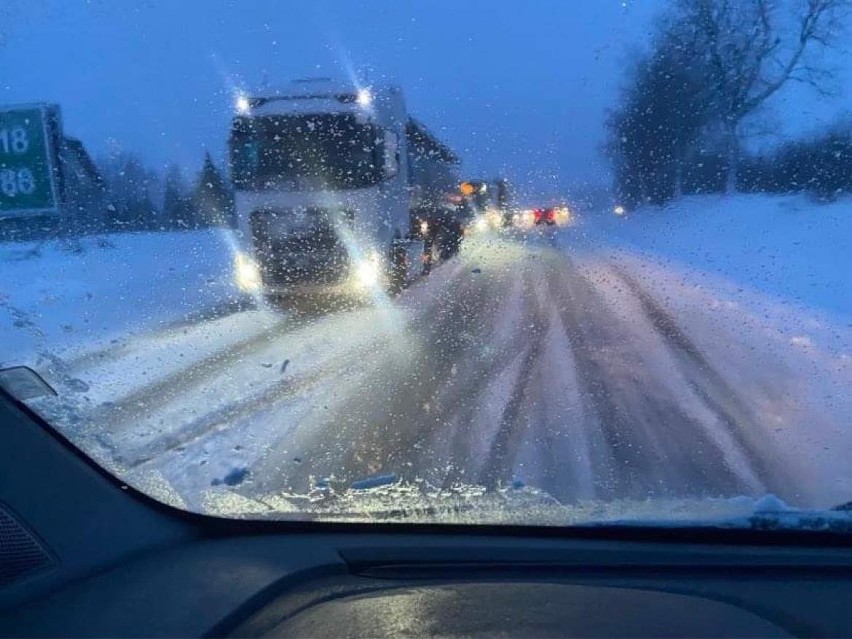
<point x="306" y="152"/>
<point x="557" y="264"/>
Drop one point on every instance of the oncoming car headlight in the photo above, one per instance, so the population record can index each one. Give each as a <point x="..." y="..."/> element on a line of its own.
<point x="247" y="273"/>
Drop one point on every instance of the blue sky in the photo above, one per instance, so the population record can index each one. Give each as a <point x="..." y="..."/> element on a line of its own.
<point x="517" y="88"/>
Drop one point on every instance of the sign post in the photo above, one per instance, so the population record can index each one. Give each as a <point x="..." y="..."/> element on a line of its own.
<point x="28" y="161"/>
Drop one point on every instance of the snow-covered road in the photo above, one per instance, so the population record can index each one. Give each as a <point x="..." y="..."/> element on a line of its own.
<point x="586" y="371"/>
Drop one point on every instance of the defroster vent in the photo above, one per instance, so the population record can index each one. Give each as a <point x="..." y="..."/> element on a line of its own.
<point x="21" y="553"/>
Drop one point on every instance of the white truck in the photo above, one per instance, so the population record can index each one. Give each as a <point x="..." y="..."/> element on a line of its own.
<point x="331" y="182"/>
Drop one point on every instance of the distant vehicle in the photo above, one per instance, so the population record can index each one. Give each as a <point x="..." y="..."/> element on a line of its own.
<point x="561" y="215"/>
<point x="544" y="216"/>
<point x="553" y="215"/>
<point x="331" y="182"/>
<point x="475" y="204"/>
<point x="486" y="203"/>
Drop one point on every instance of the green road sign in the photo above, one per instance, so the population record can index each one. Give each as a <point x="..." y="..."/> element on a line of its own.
<point x="28" y="161"/>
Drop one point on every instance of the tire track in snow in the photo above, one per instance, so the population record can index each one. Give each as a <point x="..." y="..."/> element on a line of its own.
<point x="378" y="427"/>
<point x="584" y="388"/>
<point x="145" y="404"/>
<point x="393" y="430"/>
<point x="487" y="432"/>
<point x="276" y="408"/>
<point x="655" y="447"/>
<point x="499" y="465"/>
<point x="520" y="416"/>
<point x="714" y="391"/>
<point x="479" y="397"/>
<point x="630" y="438"/>
<point x="121" y="348"/>
<point x="556" y="453"/>
<point x="322" y="371"/>
<point x="137" y="404"/>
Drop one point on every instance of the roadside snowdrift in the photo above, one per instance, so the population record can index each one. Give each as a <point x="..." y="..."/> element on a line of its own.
<point x="91" y="290"/>
<point x="789" y="247"/>
<point x="762" y="287"/>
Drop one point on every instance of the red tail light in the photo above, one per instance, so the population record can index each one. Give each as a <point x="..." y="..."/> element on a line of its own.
<point x="537" y="214"/>
<point x="549" y="214"/>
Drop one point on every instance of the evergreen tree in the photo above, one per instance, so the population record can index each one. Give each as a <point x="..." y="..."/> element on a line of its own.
<point x="129" y="185"/>
<point x="212" y="199"/>
<point x="178" y="209"/>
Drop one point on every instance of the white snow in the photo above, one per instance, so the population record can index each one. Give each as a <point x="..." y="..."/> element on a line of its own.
<point x="760" y="285"/>
<point x="790" y="247"/>
<point x="518" y="504"/>
<point x="60" y="294"/>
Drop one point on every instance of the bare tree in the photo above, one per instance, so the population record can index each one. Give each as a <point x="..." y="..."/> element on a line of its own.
<point x="753" y="48"/>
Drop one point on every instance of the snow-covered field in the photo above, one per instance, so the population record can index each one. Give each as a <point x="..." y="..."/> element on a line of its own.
<point x="90" y="291"/>
<point x="702" y="350"/>
<point x="790" y="247"/>
<point x="776" y="266"/>
<point x="763" y="285"/>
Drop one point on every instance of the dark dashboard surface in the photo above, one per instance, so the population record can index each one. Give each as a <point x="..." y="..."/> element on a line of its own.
<point x="499" y="608"/>
<point x="387" y="585"/>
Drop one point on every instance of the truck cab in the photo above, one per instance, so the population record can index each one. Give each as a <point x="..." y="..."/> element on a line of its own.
<point x="322" y="176"/>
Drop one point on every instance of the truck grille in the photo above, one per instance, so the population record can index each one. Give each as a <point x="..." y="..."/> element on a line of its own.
<point x="299" y="246"/>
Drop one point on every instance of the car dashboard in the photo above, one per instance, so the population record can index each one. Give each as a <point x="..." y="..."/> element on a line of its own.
<point x="82" y="555"/>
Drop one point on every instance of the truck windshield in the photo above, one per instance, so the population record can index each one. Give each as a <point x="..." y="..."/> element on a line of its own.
<point x="305" y="152"/>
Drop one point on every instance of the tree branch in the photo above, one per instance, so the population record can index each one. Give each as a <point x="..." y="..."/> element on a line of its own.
<point x="809" y="32"/>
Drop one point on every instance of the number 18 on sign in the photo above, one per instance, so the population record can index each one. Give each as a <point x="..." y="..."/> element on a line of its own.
<point x="27" y="178"/>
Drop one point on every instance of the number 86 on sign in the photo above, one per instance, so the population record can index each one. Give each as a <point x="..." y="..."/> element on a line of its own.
<point x="18" y="182"/>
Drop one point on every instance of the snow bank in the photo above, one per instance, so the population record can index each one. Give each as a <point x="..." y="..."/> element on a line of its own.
<point x="761" y="287"/>
<point x="789" y="247"/>
<point x="60" y="294"/>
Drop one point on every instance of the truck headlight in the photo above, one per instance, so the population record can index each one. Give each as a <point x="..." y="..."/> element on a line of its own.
<point x="242" y="105"/>
<point x="364" y="97"/>
<point x="368" y="271"/>
<point x="247" y="273"/>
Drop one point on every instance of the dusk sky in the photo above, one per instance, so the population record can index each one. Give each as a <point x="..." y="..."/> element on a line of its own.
<point x="516" y="88"/>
